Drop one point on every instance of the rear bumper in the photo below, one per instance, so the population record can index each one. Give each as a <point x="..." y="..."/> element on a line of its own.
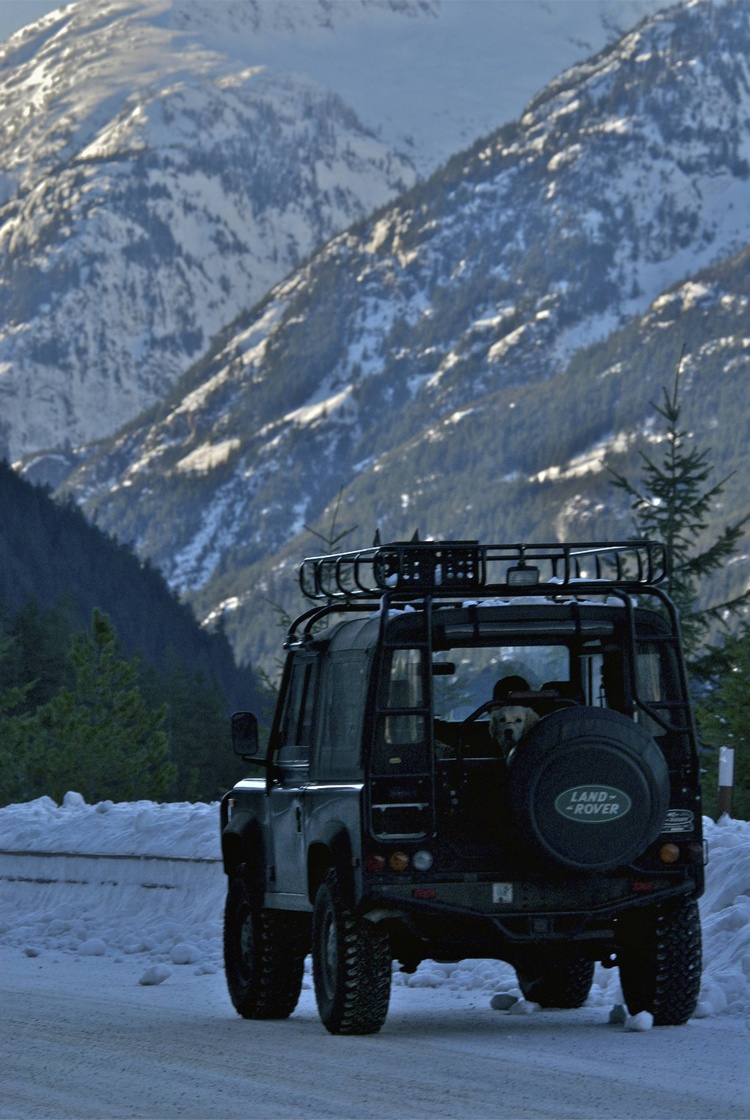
<point x="493" y="916"/>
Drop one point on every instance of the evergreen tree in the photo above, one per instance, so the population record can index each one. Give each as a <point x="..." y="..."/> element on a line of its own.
<point x="38" y="658"/>
<point x="98" y="737"/>
<point x="11" y="696"/>
<point x="13" y="730"/>
<point x="197" y="731"/>
<point x="672" y="504"/>
<point x="724" y="718"/>
<point x="17" y="763"/>
<point x="37" y="667"/>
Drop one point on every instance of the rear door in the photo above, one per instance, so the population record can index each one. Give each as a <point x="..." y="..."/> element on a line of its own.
<point x="289" y="788"/>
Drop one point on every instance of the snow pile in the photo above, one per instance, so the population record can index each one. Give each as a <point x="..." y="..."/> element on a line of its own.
<point x="97" y="903"/>
<point x="170" y="913"/>
<point x="135" y="828"/>
<point x="725" y="910"/>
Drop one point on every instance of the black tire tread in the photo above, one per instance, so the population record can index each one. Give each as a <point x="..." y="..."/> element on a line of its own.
<point x="360" y="1005"/>
<point x="269" y="986"/>
<point x="660" y="969"/>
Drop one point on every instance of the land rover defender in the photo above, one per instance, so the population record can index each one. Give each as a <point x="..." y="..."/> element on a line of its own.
<point x="384" y="821"/>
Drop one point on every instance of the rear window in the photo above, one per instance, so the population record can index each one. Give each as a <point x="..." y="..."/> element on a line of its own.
<point x="401" y="740"/>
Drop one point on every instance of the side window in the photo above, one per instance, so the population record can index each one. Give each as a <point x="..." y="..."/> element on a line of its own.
<point x="401" y="737"/>
<point x="648" y="674"/>
<point x="297" y="720"/>
<point x="593" y="678"/>
<point x="339" y="755"/>
<point x="657" y="683"/>
<point x="405" y="690"/>
<point x="615" y="680"/>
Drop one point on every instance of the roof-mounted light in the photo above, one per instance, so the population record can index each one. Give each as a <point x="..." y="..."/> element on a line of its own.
<point x="522" y="575"/>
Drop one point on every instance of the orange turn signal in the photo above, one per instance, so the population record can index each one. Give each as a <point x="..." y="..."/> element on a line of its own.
<point x="398" y="861"/>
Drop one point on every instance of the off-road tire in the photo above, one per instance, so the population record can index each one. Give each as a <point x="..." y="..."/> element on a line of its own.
<point x="264" y="955"/>
<point x="553" y="981"/>
<point x="351" y="960"/>
<point x="659" y="956"/>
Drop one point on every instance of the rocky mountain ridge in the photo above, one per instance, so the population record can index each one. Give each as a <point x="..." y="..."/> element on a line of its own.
<point x="471" y="358"/>
<point x="142" y="210"/>
<point x="166" y="162"/>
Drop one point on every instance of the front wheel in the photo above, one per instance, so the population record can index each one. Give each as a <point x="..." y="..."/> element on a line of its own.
<point x="554" y="981"/>
<point x="351" y="961"/>
<point x="264" y="955"/>
<point x="659" y="956"/>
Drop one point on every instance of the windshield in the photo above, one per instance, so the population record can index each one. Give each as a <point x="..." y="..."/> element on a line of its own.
<point x="468" y="676"/>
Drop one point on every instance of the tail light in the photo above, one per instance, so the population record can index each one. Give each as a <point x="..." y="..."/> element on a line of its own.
<point x="376" y="862"/>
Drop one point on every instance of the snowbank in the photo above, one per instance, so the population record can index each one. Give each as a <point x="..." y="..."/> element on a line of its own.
<point x="134" y="828"/>
<point x="171" y="914"/>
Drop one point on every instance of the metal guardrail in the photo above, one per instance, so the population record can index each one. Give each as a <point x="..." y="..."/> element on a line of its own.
<point x="32" y="866"/>
<point x="108" y="855"/>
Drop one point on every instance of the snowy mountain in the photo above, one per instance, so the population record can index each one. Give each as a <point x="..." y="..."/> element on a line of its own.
<point x="152" y="189"/>
<point x="467" y="360"/>
<point x="164" y="163"/>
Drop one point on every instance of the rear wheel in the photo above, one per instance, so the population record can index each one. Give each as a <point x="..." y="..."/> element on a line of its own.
<point x="659" y="955"/>
<point x="351" y="961"/>
<point x="556" y="981"/>
<point x="264" y="955"/>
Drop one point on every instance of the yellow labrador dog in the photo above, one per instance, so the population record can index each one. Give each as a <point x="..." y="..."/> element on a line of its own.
<point x="508" y="724"/>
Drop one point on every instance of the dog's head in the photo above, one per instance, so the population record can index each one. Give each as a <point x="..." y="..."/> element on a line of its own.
<point x="509" y="723"/>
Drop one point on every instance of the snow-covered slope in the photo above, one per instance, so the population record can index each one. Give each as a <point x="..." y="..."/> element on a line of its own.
<point x="165" y="162"/>
<point x="436" y="362"/>
<point x="151" y="190"/>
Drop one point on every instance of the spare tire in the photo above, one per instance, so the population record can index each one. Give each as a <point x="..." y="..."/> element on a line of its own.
<point x="589" y="789"/>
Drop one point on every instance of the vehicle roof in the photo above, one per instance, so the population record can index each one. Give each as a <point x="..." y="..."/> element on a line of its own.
<point x="517" y="616"/>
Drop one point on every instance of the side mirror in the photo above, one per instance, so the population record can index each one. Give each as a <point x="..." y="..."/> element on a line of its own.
<point x="245" y="734"/>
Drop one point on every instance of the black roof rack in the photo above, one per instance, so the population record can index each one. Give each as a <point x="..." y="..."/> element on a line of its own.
<point x="461" y="569"/>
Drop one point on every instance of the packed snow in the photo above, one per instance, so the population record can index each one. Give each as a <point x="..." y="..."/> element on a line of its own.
<point x="163" y="907"/>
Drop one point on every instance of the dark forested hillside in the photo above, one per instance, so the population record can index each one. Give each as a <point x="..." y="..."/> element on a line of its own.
<point x="50" y="553"/>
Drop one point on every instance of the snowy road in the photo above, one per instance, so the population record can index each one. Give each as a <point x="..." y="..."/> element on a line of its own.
<point x="81" y="1038"/>
<point x="113" y="1001"/>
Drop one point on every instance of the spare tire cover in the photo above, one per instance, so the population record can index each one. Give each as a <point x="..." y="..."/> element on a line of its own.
<point x="589" y="788"/>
